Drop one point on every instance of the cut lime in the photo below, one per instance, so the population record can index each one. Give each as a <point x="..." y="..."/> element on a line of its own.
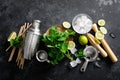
<point x="101" y="22"/>
<point x="99" y="35"/>
<point x="71" y="45"/>
<point x="83" y="40"/>
<point x="66" y="24"/>
<point x="12" y="36"/>
<point x="97" y="41"/>
<point x="103" y="30"/>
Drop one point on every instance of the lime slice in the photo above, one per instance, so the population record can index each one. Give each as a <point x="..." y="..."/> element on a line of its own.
<point x="66" y="24"/>
<point x="99" y="35"/>
<point x="12" y="36"/>
<point x="101" y="22"/>
<point x="103" y="30"/>
<point x="97" y="41"/>
<point x="71" y="45"/>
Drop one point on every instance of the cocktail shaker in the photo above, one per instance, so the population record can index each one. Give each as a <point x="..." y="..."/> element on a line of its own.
<point x="32" y="40"/>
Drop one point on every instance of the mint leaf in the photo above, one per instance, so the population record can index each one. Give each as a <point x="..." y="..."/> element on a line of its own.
<point x="64" y="47"/>
<point x="80" y="54"/>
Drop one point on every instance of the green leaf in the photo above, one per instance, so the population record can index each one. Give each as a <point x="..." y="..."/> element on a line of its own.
<point x="64" y="47"/>
<point x="80" y="54"/>
<point x="54" y="62"/>
<point x="16" y="42"/>
<point x="50" y="54"/>
<point x="53" y="30"/>
<point x="12" y="42"/>
<point x="44" y="39"/>
<point x="50" y="46"/>
<point x="60" y="56"/>
<point x="70" y="32"/>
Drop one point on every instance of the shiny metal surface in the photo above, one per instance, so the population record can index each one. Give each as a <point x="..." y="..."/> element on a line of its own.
<point x="32" y="40"/>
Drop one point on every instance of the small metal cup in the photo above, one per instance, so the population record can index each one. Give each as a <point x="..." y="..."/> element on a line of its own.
<point x="42" y="56"/>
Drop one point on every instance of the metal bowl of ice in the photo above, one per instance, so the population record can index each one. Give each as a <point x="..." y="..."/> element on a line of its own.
<point x="82" y="23"/>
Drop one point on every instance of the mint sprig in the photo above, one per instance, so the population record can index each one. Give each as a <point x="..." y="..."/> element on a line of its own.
<point x="16" y="42"/>
<point x="57" y="44"/>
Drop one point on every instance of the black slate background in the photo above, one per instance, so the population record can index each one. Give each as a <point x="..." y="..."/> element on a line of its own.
<point x="13" y="14"/>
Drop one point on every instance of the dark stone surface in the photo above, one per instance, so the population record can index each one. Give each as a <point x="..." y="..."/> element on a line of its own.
<point x="13" y="13"/>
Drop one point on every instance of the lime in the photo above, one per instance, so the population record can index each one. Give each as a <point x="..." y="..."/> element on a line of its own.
<point x="71" y="45"/>
<point x="103" y="30"/>
<point x="66" y="24"/>
<point x="12" y="36"/>
<point x="97" y="41"/>
<point x="99" y="35"/>
<point x="101" y="22"/>
<point x="83" y="40"/>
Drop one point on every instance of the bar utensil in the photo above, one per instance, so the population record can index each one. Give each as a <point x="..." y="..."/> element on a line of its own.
<point x="32" y="40"/>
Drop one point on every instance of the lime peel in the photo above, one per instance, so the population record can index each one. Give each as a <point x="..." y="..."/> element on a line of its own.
<point x="12" y="35"/>
<point x="83" y="40"/>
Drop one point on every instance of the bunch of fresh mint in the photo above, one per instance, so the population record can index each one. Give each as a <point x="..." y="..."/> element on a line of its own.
<point x="56" y="42"/>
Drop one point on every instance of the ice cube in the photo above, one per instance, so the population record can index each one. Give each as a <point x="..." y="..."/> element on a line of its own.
<point x="73" y="51"/>
<point x="73" y="63"/>
<point x="78" y="61"/>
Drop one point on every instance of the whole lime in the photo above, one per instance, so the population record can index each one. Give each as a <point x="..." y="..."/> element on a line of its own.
<point x="83" y="40"/>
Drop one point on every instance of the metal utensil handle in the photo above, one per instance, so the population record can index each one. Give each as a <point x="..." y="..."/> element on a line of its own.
<point x="84" y="66"/>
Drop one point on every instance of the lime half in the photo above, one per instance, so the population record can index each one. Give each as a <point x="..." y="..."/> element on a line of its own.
<point x="12" y="36"/>
<point x="99" y="35"/>
<point x="66" y="24"/>
<point x="103" y="30"/>
<point x="71" y="45"/>
<point x="101" y="22"/>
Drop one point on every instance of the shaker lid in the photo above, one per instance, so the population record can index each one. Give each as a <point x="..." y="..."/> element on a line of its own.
<point x="37" y="21"/>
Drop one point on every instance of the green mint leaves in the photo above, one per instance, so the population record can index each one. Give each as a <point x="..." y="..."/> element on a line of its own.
<point x="80" y="54"/>
<point x="16" y="42"/>
<point x="57" y="44"/>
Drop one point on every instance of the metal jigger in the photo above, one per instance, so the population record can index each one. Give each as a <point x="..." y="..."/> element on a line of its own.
<point x="32" y="39"/>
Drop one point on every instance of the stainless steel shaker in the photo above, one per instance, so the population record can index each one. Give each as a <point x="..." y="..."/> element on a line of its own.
<point x="32" y="40"/>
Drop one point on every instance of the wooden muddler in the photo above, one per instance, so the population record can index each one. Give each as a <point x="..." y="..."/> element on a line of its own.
<point x="96" y="45"/>
<point x="106" y="46"/>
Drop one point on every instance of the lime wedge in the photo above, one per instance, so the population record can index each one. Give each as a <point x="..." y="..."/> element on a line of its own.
<point x="12" y="36"/>
<point x="99" y="35"/>
<point x="101" y="22"/>
<point x="97" y="41"/>
<point x="103" y="30"/>
<point x="66" y="24"/>
<point x="71" y="45"/>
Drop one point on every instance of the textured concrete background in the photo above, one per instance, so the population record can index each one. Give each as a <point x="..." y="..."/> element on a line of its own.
<point x="13" y="14"/>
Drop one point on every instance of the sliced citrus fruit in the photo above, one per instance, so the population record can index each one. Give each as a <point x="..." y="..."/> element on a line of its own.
<point x="66" y="24"/>
<point x="101" y="22"/>
<point x="97" y="41"/>
<point x="99" y="35"/>
<point x="71" y="45"/>
<point x="103" y="30"/>
<point x="12" y="36"/>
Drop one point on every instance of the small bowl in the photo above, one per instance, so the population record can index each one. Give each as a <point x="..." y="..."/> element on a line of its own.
<point x="82" y="23"/>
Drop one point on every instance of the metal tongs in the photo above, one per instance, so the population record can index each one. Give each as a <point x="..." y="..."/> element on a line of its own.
<point x="91" y="39"/>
